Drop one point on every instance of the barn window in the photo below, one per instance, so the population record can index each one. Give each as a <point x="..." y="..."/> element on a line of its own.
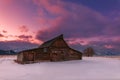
<point x="45" y="49"/>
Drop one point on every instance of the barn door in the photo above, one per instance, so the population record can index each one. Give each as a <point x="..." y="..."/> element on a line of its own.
<point x="54" y="57"/>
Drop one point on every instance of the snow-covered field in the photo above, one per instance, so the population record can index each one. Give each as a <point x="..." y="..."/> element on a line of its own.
<point x="90" y="68"/>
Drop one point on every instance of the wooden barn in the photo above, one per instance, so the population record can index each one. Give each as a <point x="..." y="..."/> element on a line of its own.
<point x="53" y="50"/>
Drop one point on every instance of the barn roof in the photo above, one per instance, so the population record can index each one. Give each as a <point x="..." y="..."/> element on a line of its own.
<point x="50" y="42"/>
<point x="29" y="50"/>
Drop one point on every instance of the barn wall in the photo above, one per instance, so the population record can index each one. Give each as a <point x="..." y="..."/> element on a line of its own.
<point x="29" y="56"/>
<point x="74" y="55"/>
<point x="58" y="54"/>
<point x="53" y="54"/>
<point x="20" y="57"/>
<point x="42" y="56"/>
<point x="63" y="54"/>
<point x="60" y="44"/>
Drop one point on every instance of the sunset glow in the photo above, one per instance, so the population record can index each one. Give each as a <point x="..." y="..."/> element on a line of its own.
<point x="81" y="21"/>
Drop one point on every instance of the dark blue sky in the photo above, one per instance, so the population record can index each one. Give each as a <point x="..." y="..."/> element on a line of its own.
<point x="103" y="6"/>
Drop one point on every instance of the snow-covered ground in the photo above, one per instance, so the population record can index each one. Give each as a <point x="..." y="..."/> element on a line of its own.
<point x="90" y="68"/>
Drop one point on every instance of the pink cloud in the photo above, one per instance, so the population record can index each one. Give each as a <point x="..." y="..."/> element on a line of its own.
<point x="1" y="35"/>
<point x="71" y="19"/>
<point x="23" y="28"/>
<point x="76" y="41"/>
<point x="6" y="1"/>
<point x="24" y="36"/>
<point x="76" y="21"/>
<point x="51" y="5"/>
<point x="108" y="46"/>
<point x="28" y="38"/>
<point x="4" y="31"/>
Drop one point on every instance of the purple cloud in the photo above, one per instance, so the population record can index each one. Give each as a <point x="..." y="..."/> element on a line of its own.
<point x="81" y="25"/>
<point x="73" y="20"/>
<point x="23" y="28"/>
<point x="114" y="44"/>
<point x="24" y="36"/>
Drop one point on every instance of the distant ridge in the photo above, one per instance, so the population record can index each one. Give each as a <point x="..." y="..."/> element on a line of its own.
<point x="7" y="52"/>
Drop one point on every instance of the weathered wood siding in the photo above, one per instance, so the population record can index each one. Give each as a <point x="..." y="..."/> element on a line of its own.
<point x="59" y="54"/>
<point x="60" y="44"/>
<point x="20" y="57"/>
<point x="28" y="56"/>
<point x="63" y="54"/>
<point x="73" y="55"/>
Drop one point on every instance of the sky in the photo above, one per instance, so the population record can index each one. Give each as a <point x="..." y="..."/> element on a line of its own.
<point x="28" y="23"/>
